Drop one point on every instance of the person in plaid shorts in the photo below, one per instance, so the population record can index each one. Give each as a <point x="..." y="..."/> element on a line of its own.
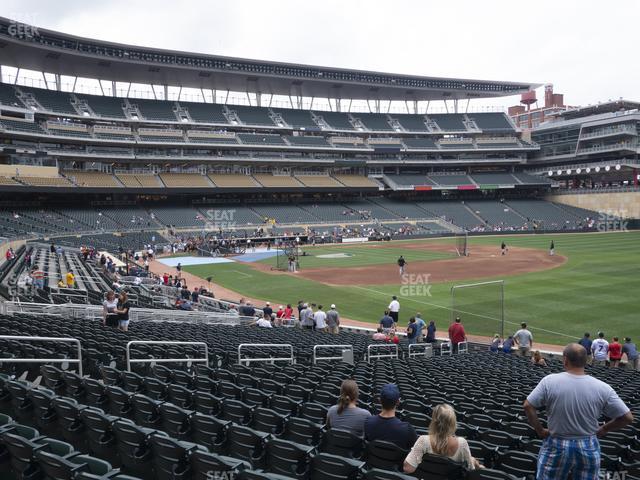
<point x="574" y="401"/>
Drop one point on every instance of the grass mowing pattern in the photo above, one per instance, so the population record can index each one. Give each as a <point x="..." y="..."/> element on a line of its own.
<point x="594" y="290"/>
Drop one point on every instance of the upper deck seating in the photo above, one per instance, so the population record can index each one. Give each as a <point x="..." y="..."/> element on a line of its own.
<point x="103" y="106"/>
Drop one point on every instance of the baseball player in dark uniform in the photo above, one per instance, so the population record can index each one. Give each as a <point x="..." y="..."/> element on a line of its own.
<point x="401" y="263"/>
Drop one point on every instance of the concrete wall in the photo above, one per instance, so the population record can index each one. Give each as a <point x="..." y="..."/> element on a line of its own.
<point x="28" y="171"/>
<point x="4" y="246"/>
<point x="626" y="204"/>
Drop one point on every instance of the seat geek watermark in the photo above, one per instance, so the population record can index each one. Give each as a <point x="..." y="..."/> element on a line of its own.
<point x="219" y="475"/>
<point x="220" y="220"/>
<point x="22" y="25"/>
<point x="612" y="221"/>
<point x="612" y="475"/>
<point x="415" y="285"/>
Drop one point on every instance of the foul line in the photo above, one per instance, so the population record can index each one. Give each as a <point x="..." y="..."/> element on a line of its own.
<point x="242" y="273"/>
<point x="462" y="311"/>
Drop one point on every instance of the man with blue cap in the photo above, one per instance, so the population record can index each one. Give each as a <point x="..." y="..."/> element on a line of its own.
<point x="386" y="426"/>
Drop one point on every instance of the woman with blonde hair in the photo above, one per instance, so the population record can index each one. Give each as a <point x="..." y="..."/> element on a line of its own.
<point x="537" y="359"/>
<point x="441" y="440"/>
<point x="346" y="415"/>
<point x="109" y="306"/>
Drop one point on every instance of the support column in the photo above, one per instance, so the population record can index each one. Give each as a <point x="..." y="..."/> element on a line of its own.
<point x="636" y="182"/>
<point x="113" y="87"/>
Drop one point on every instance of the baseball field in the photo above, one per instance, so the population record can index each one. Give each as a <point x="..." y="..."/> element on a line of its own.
<point x="591" y="283"/>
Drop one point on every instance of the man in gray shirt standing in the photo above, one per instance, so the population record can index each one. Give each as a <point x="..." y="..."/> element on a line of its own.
<point x="574" y="402"/>
<point x="306" y="317"/>
<point x="524" y="340"/>
<point x="333" y="320"/>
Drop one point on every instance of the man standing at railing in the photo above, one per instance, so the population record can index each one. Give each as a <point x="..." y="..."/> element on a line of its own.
<point x="457" y="334"/>
<point x="333" y="320"/>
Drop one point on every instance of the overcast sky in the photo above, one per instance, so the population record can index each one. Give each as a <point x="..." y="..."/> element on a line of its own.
<point x="587" y="48"/>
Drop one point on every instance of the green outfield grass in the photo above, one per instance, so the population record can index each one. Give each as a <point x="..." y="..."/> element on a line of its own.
<point x="594" y="290"/>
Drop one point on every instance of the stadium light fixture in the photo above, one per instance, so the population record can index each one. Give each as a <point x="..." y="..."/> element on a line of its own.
<point x="550" y="173"/>
<point x="559" y="172"/>
<point x="597" y="169"/>
<point x="618" y="167"/>
<point x="568" y="171"/>
<point x="588" y="170"/>
<point x="578" y="171"/>
<point x="607" y="168"/>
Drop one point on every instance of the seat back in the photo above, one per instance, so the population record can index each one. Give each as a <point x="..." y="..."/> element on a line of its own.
<point x="436" y="467"/>
<point x="246" y="444"/>
<point x="342" y="443"/>
<point x="170" y="458"/>
<point x="288" y="458"/>
<point x="328" y="467"/>
<point x="209" y="431"/>
<point x="303" y="431"/>
<point x="203" y="463"/>
<point x="385" y="455"/>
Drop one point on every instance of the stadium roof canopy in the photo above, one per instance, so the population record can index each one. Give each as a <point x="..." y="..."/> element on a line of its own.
<point x="35" y="48"/>
<point x="612" y="106"/>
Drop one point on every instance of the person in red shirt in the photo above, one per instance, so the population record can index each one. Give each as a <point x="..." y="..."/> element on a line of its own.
<point x="457" y="334"/>
<point x="615" y="352"/>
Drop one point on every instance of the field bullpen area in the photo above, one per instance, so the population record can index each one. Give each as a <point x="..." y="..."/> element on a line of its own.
<point x="590" y="284"/>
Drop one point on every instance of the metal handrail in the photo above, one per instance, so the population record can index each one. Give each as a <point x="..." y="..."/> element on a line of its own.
<point x="265" y="359"/>
<point x="165" y="360"/>
<point x="426" y="352"/>
<point x="45" y="360"/>
<point x="382" y="355"/>
<point x="95" y="312"/>
<point x="318" y="347"/>
<point x="449" y="349"/>
<point x="463" y="347"/>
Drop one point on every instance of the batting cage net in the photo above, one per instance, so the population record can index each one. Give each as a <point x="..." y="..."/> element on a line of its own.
<point x="480" y="306"/>
<point x="287" y="256"/>
<point x="462" y="246"/>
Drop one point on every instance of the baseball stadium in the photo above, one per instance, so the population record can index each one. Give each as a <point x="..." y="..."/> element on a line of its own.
<point x="233" y="190"/>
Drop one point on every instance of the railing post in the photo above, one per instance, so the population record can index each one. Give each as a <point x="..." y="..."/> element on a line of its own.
<point x="288" y="346"/>
<point x="318" y="347"/>
<point x="382" y="355"/>
<point x="165" y="360"/>
<point x="45" y="360"/>
<point x="427" y="352"/>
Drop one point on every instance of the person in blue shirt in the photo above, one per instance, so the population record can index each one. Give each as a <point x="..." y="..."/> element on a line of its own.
<point x="386" y="322"/>
<point x="420" y="324"/>
<point x="431" y="332"/>
<point x="632" y="353"/>
<point x="508" y="344"/>
<point x="386" y="426"/>
<point x="586" y="342"/>
<point x="412" y="331"/>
